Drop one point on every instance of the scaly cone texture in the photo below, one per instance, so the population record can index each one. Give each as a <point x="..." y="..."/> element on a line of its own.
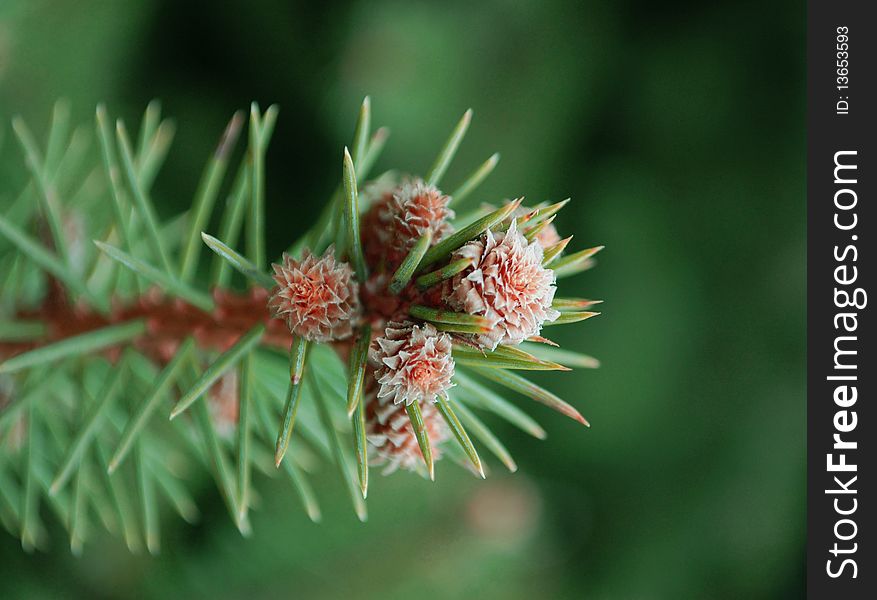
<point x="412" y="363"/>
<point x="391" y="435"/>
<point x="317" y="297"/>
<point x="401" y="216"/>
<point x="424" y="318"/>
<point x="506" y="284"/>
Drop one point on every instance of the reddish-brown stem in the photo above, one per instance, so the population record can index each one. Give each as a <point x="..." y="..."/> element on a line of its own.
<point x="169" y="321"/>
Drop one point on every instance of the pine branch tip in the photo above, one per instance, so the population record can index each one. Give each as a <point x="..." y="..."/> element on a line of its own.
<point x="125" y="151"/>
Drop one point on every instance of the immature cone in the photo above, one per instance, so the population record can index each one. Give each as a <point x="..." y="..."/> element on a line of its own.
<point x="317" y="297"/>
<point x="507" y="284"/>
<point x="391" y="437"/>
<point x="412" y="363"/>
<point x="400" y="218"/>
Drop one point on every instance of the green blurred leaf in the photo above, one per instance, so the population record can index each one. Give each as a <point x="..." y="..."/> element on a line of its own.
<point x="503" y="357"/>
<point x="351" y="217"/>
<point x="141" y="199"/>
<point x="460" y="434"/>
<point x="166" y="282"/>
<point x="217" y="369"/>
<point x="523" y="386"/>
<point x="443" y="161"/>
<point x="406" y="270"/>
<point x="241" y="264"/>
<point x="76" y="345"/>
<point x="416" y="418"/>
<point x="485" y="436"/>
<point x="150" y="402"/>
<point x="298" y="355"/>
<point x="208" y="189"/>
<point x="474" y="180"/>
<point x="487" y="399"/>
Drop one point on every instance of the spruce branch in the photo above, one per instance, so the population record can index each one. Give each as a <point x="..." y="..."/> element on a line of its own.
<point x="356" y="348"/>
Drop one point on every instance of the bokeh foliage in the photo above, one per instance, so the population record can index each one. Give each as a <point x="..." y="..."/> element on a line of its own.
<point x="676" y="128"/>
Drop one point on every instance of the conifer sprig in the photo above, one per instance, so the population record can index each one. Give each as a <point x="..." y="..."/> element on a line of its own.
<point x="132" y="364"/>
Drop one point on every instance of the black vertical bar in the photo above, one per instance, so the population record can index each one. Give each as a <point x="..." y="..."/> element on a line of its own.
<point x="842" y="168"/>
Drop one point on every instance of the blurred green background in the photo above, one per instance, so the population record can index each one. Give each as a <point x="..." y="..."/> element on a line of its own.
<point x="678" y="130"/>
